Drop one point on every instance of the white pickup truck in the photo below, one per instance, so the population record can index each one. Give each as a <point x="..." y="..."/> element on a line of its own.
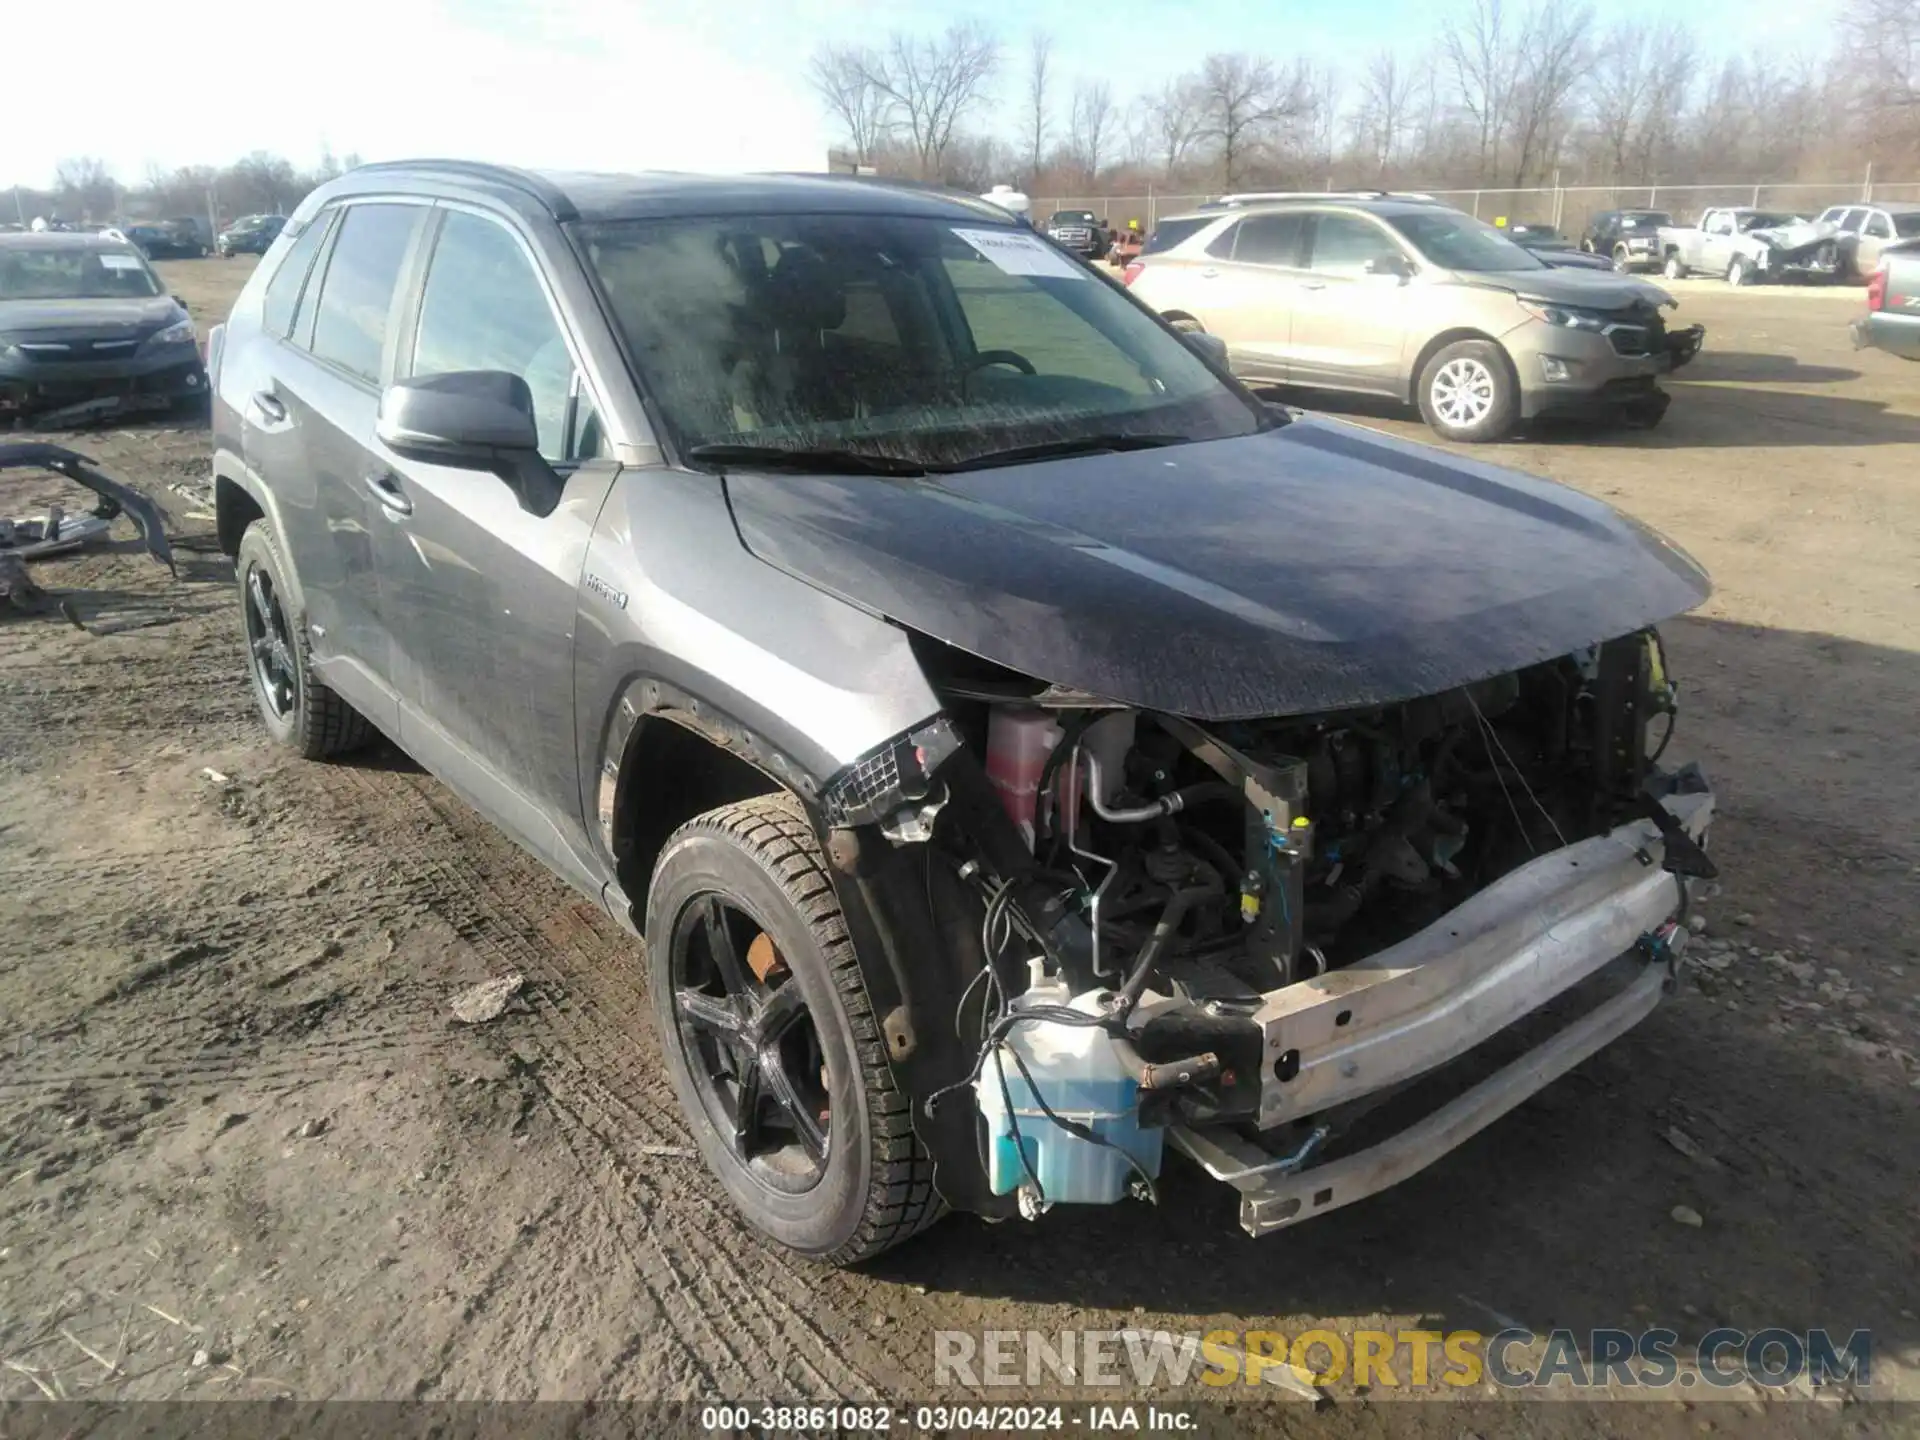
<point x="1745" y="245"/>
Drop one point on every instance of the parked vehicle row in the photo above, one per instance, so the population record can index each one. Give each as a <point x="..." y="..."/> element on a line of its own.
<point x="1023" y="750"/>
<point x="1416" y="301"/>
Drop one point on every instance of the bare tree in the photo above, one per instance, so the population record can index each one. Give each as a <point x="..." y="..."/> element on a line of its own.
<point x="1092" y="125"/>
<point x="1553" y="50"/>
<point x="85" y="185"/>
<point x="1479" y="52"/>
<point x="1386" y="100"/>
<point x="934" y="82"/>
<point x="1038" y="122"/>
<point x="1241" y="100"/>
<point x="1879" y="64"/>
<point x="845" y="79"/>
<point x="1174" y="120"/>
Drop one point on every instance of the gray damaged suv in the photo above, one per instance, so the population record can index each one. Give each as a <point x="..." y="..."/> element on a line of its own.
<point x="1021" y="750"/>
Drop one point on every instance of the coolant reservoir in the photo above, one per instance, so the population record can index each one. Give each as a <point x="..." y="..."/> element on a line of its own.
<point x="1080" y="1075"/>
<point x="1018" y="743"/>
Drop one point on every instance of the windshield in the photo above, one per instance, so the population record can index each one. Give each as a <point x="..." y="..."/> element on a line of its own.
<point x="1072" y="217"/>
<point x="1764" y="221"/>
<point x="914" y="339"/>
<point x="74" y="273"/>
<point x="1644" y="219"/>
<point x="1459" y="242"/>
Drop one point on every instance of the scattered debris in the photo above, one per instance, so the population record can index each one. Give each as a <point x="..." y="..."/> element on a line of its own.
<point x="1688" y="1216"/>
<point x="487" y="1000"/>
<point x="202" y="1359"/>
<point x="23" y="540"/>
<point x="209" y="773"/>
<point x="674" y="1152"/>
<point x="1697" y="923"/>
<point x="316" y="1126"/>
<point x="1689" y="1147"/>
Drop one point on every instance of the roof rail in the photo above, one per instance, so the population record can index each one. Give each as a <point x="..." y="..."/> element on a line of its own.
<point x="525" y="181"/>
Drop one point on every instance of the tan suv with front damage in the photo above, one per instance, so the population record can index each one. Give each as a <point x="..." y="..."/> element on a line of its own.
<point x="1419" y="302"/>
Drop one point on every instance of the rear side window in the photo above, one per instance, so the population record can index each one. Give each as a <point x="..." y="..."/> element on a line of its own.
<point x="283" y="291"/>
<point x="356" y="297"/>
<point x="484" y="309"/>
<point x="1169" y="233"/>
<point x="1344" y="244"/>
<point x="1850" y="222"/>
<point x="1271" y="239"/>
<point x="1879" y="227"/>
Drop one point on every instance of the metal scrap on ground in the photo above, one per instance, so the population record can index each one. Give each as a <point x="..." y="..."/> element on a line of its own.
<point x="55" y="531"/>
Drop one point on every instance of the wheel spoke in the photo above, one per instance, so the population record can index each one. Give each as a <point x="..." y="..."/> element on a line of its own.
<point x="711" y="1013"/>
<point x="746" y="1106"/>
<point x="262" y="606"/>
<point x="725" y="955"/>
<point x="782" y="1007"/>
<point x="794" y="1106"/>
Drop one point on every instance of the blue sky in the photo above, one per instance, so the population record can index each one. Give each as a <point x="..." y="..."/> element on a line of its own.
<point x="613" y="84"/>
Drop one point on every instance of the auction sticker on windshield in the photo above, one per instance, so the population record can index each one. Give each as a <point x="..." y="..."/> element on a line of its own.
<point x="1018" y="254"/>
<point x="111" y="261"/>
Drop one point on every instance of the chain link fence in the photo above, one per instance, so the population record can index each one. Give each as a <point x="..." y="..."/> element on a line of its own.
<point x="1567" y="207"/>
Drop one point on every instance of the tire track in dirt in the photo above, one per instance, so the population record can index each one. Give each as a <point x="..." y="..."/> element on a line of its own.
<point x="588" y="989"/>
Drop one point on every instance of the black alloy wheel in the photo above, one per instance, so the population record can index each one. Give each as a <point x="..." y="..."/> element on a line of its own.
<point x="750" y="1044"/>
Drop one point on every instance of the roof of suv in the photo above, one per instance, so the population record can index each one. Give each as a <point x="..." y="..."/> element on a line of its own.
<point x="59" y="240"/>
<point x="1391" y="205"/>
<point x="576" y="195"/>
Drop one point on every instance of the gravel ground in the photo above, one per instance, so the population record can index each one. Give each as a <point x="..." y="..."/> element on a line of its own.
<point x="245" y="1151"/>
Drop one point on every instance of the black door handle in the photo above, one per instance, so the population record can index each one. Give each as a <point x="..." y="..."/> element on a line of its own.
<point x="269" y="405"/>
<point x="386" y="489"/>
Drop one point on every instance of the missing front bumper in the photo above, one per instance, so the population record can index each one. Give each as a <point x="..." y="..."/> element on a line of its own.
<point x="1356" y="1032"/>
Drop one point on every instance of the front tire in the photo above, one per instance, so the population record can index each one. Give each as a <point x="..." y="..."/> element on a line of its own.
<point x="298" y="711"/>
<point x="1622" y="257"/>
<point x="1467" y="392"/>
<point x="1675" y="268"/>
<point x="771" y="1042"/>
<point x="1739" y="272"/>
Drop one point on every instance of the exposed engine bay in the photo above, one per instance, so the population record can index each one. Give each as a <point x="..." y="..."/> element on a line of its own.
<point x="1174" y="885"/>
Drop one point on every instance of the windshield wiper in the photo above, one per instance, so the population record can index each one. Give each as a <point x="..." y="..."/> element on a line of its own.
<point x="811" y="462"/>
<point x="1054" y="449"/>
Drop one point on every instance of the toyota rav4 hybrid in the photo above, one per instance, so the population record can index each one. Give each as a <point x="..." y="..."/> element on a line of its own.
<point x="1022" y="751"/>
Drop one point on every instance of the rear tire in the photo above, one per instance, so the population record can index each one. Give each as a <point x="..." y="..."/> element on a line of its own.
<point x="1467" y="392"/>
<point x="860" y="1183"/>
<point x="298" y="711"/>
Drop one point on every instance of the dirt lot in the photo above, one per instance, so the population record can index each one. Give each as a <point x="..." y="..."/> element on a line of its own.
<point x="245" y="1152"/>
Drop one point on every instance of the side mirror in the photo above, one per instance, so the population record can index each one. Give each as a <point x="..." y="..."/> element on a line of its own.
<point x="1394" y="265"/>
<point x="1210" y="348"/>
<point x="471" y="420"/>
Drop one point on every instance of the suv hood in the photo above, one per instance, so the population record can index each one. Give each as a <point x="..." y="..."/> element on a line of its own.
<point x="1310" y="568"/>
<point x="1594" y="289"/>
<point x="134" y="315"/>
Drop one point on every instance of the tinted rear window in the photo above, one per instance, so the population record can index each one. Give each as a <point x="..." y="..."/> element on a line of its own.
<point x="1169" y="233"/>
<point x="350" y="328"/>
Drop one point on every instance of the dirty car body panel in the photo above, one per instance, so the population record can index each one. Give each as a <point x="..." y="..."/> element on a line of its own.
<point x="1087" y="670"/>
